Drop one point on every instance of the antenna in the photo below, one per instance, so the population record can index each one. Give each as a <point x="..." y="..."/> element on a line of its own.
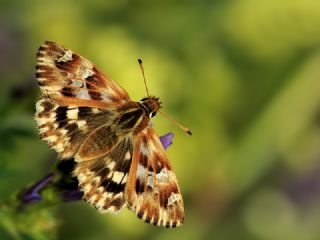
<point x="144" y="78"/>
<point x="187" y="130"/>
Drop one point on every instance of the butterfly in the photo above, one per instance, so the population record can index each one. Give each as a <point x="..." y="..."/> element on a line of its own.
<point x="120" y="162"/>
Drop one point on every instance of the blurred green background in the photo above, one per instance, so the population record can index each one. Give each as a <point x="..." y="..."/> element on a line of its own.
<point x="244" y="75"/>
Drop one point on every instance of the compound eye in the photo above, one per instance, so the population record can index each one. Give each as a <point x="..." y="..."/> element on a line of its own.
<point x="153" y="114"/>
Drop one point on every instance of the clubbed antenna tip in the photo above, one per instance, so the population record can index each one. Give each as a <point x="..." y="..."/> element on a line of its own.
<point x="144" y="78"/>
<point x="185" y="129"/>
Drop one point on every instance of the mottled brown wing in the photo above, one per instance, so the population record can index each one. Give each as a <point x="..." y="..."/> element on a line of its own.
<point x="70" y="79"/>
<point x="66" y="127"/>
<point x="103" y="179"/>
<point x="152" y="190"/>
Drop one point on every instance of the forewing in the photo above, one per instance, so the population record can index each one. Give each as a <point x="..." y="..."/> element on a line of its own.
<point x="103" y="179"/>
<point x="71" y="79"/>
<point x="65" y="128"/>
<point x="152" y="190"/>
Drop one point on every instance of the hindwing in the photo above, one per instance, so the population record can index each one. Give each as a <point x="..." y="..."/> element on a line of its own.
<point x="103" y="179"/>
<point x="152" y="191"/>
<point x="65" y="127"/>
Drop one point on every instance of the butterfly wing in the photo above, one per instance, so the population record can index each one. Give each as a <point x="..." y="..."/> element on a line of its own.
<point x="77" y="98"/>
<point x="85" y="134"/>
<point x="103" y="179"/>
<point x="65" y="127"/>
<point x="70" y="79"/>
<point x="152" y="190"/>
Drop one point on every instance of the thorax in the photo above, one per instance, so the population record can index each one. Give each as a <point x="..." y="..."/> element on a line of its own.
<point x="133" y="117"/>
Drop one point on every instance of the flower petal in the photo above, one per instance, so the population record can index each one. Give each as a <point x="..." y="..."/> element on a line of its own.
<point x="32" y="194"/>
<point x="166" y="140"/>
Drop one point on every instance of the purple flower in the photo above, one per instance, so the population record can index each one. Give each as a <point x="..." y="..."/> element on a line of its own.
<point x="166" y="140"/>
<point x="304" y="188"/>
<point x="32" y="194"/>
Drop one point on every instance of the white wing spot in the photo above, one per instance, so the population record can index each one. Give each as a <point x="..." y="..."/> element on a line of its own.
<point x="44" y="129"/>
<point x="150" y="180"/>
<point x="100" y="203"/>
<point x="174" y="197"/>
<point x="66" y="57"/>
<point x="83" y="94"/>
<point x="163" y="175"/>
<point x="111" y="165"/>
<point x="39" y="106"/>
<point x="127" y="156"/>
<point x="73" y="113"/>
<point x="77" y="83"/>
<point x="81" y="123"/>
<point x="117" y="176"/>
<point x="144" y="149"/>
<point x="105" y="96"/>
<point x="95" y="110"/>
<point x="141" y="173"/>
<point x="87" y="187"/>
<point x="84" y="72"/>
<point x="96" y="179"/>
<point x="144" y="217"/>
<point x="51" y="138"/>
<point x="59" y="147"/>
<point x="124" y="180"/>
<point x="63" y="132"/>
<point x="81" y="176"/>
<point x="45" y="63"/>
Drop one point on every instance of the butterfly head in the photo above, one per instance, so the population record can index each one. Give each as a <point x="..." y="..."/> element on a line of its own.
<point x="151" y="104"/>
